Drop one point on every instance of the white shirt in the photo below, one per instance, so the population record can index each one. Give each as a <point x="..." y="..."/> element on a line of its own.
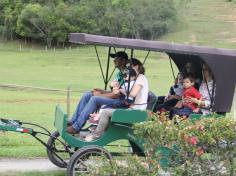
<point x="205" y="95"/>
<point x="125" y="86"/>
<point x="141" y="98"/>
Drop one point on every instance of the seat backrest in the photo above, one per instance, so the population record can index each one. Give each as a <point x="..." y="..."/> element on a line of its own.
<point x="152" y="98"/>
<point x="128" y="116"/>
<point x="60" y="121"/>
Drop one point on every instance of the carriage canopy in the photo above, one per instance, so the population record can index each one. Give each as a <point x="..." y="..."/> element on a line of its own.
<point x="221" y="61"/>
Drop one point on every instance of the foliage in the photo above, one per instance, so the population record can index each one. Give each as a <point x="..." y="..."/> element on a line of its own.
<point x="202" y="147"/>
<point x="231" y="1"/>
<point x="183" y="147"/>
<point x="126" y="165"/>
<point x="52" y="21"/>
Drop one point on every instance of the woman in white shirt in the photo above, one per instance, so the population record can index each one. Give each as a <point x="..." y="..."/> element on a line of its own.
<point x="139" y="91"/>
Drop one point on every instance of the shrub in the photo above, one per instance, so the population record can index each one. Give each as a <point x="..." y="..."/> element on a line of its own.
<point x="182" y="147"/>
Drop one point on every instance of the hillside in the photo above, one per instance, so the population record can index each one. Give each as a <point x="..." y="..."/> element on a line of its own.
<point x="206" y="22"/>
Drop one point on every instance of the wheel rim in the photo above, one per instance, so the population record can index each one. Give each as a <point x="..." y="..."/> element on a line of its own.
<point x="90" y="161"/>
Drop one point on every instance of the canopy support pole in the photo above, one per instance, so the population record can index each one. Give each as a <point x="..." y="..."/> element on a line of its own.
<point x="108" y="64"/>
<point x="100" y="64"/>
<point x="173" y="73"/>
<point x="146" y="57"/>
<point x="132" y="53"/>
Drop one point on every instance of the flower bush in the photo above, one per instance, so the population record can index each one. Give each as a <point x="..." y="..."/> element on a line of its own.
<point x="181" y="146"/>
<point x="198" y="147"/>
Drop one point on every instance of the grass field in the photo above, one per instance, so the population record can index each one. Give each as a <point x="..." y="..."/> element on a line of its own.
<point x="205" y="22"/>
<point x="55" y="70"/>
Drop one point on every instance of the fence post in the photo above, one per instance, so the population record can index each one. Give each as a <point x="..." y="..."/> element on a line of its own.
<point x="68" y="101"/>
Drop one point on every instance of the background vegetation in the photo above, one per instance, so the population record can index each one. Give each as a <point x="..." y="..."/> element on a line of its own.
<point x="26" y="62"/>
<point x="52" y="21"/>
<point x="56" y="69"/>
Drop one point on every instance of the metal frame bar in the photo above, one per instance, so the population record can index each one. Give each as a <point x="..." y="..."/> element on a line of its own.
<point x="107" y="70"/>
<point x="173" y="73"/>
<point x="100" y="65"/>
<point x="146" y="57"/>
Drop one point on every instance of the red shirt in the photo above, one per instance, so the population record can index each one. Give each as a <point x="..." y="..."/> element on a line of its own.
<point x="191" y="92"/>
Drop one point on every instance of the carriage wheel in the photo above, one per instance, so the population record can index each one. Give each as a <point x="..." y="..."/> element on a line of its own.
<point x="58" y="152"/>
<point x="87" y="160"/>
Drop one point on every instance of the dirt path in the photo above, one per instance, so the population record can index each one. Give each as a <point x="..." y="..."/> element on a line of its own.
<point x="20" y="165"/>
<point x="27" y="165"/>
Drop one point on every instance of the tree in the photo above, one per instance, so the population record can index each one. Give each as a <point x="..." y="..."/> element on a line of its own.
<point x="37" y="22"/>
<point x="66" y="22"/>
<point x="151" y="18"/>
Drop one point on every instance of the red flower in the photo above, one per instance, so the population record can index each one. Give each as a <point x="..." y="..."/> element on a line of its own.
<point x="193" y="140"/>
<point x="199" y="151"/>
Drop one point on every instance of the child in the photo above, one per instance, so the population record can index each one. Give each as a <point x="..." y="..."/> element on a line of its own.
<point x="175" y="94"/>
<point x="124" y="101"/>
<point x="186" y="107"/>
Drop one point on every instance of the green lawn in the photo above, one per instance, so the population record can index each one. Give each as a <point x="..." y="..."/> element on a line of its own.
<point x="77" y="68"/>
<point x="205" y="22"/>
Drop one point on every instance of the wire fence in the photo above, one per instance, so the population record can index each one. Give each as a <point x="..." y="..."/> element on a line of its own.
<point x="42" y="89"/>
<point x="30" y="47"/>
<point x="67" y="91"/>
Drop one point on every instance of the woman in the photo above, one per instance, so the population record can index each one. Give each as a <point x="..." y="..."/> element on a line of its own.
<point x="207" y="90"/>
<point x="139" y="92"/>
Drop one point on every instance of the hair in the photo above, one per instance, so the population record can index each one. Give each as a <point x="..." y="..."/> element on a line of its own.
<point x="190" y="76"/>
<point x="209" y="70"/>
<point x="134" y="62"/>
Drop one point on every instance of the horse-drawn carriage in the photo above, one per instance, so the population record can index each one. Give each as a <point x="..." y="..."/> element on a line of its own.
<point x="67" y="150"/>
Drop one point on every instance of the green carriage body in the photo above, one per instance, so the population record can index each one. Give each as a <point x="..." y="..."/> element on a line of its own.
<point x="120" y="127"/>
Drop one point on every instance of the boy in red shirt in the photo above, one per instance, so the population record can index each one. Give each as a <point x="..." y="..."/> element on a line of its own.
<point x="184" y="107"/>
<point x="190" y="91"/>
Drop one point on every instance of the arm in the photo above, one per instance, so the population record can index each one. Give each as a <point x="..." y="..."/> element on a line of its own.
<point x="174" y="97"/>
<point x="107" y="94"/>
<point x="135" y="90"/>
<point x="100" y="90"/>
<point x="138" y="85"/>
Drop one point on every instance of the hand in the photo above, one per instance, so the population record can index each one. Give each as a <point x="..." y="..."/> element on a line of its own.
<point x="115" y="83"/>
<point x="191" y="100"/>
<point x="116" y="91"/>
